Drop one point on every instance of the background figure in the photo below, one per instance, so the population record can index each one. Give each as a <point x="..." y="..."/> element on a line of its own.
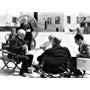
<point x="12" y="35"/>
<point x="48" y="43"/>
<point x="54" y="57"/>
<point x="28" y="28"/>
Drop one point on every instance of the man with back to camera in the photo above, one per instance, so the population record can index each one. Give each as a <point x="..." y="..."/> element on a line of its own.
<point x="54" y="57"/>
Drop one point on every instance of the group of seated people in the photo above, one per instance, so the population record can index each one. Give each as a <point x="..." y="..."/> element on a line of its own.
<point x="52" y="59"/>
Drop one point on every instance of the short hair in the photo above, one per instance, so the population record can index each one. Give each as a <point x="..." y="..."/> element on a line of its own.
<point x="78" y="36"/>
<point x="56" y="41"/>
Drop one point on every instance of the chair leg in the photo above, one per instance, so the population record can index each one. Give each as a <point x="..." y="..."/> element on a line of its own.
<point x="84" y="72"/>
<point x="16" y="66"/>
<point x="5" y="64"/>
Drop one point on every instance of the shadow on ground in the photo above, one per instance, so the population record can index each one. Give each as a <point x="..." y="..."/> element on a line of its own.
<point x="10" y="72"/>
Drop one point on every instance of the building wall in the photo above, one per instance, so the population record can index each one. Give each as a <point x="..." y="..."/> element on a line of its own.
<point x="63" y="23"/>
<point x="42" y="17"/>
<point x="73" y="23"/>
<point x="5" y="19"/>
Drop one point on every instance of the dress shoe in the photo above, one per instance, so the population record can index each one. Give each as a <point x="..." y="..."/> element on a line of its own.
<point x="42" y="76"/>
<point x="28" y="71"/>
<point x="36" y="71"/>
<point x="67" y="75"/>
<point x="22" y="74"/>
<point x="36" y="68"/>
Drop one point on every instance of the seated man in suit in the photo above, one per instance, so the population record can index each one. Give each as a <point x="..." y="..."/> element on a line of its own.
<point x="83" y="52"/>
<point x="18" y="46"/>
<point x="55" y="56"/>
<point x="83" y="46"/>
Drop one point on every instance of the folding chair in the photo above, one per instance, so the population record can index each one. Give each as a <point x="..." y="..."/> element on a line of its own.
<point x="6" y="60"/>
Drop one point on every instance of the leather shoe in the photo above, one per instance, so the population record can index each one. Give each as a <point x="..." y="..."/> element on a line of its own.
<point x="42" y="76"/>
<point x="29" y="72"/>
<point x="22" y="74"/>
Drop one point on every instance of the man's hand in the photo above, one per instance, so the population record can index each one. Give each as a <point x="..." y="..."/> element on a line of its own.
<point x="24" y="47"/>
<point x="79" y="55"/>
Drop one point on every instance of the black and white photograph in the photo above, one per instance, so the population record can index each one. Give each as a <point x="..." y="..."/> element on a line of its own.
<point x="44" y="40"/>
<point x="45" y="45"/>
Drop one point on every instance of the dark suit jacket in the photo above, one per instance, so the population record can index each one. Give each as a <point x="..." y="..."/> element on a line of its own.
<point x="84" y="51"/>
<point x="16" y="46"/>
<point x="56" y="55"/>
<point x="25" y="27"/>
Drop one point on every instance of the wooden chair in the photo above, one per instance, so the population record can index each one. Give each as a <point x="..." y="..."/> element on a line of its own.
<point x="6" y="60"/>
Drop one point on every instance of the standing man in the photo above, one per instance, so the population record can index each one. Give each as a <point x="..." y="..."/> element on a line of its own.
<point x="28" y="29"/>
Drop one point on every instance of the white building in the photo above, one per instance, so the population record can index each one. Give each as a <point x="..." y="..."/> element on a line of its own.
<point x="48" y="21"/>
<point x="57" y="20"/>
<point x="5" y="19"/>
<point x="70" y="22"/>
<point x="52" y="20"/>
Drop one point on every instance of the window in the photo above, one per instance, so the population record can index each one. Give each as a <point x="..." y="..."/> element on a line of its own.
<point x="82" y="24"/>
<point x="68" y="19"/>
<point x="82" y="19"/>
<point x="77" y="20"/>
<point x="49" y="20"/>
<point x="88" y="24"/>
<point x="14" y="19"/>
<point x="57" y="20"/>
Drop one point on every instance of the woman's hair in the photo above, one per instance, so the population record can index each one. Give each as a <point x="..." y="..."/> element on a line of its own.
<point x="78" y="36"/>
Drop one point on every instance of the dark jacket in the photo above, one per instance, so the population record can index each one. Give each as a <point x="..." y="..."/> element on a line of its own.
<point x="25" y="26"/>
<point x="56" y="55"/>
<point x="28" y="36"/>
<point x="16" y="46"/>
<point x="84" y="50"/>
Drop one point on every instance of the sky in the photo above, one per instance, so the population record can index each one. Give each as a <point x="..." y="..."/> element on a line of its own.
<point x="14" y="7"/>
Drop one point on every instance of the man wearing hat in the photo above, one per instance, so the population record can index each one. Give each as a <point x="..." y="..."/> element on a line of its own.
<point x="18" y="46"/>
